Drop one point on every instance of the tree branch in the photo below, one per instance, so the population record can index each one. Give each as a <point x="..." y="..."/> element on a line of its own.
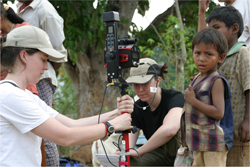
<point x="163" y="17"/>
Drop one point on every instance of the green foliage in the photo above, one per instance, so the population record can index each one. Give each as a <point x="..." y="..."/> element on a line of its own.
<point x="167" y="48"/>
<point x="5" y="1"/>
<point x="67" y="151"/>
<point x="64" y="97"/>
<point x="105" y="108"/>
<point x="143" y="5"/>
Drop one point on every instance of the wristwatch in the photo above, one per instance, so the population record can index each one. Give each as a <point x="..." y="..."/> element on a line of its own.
<point x="110" y="127"/>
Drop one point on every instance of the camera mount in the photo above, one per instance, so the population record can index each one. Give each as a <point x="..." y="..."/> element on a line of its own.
<point x="119" y="54"/>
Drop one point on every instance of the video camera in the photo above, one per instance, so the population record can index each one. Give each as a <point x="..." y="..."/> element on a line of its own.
<point x="118" y="54"/>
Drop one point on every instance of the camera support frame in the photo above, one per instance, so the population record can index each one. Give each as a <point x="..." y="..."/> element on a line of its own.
<point x="116" y="57"/>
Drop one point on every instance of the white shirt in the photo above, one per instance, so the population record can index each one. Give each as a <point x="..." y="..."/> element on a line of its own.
<point x="244" y="8"/>
<point x="42" y="14"/>
<point x="20" y="112"/>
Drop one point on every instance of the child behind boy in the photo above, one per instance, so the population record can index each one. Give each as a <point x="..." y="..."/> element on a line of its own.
<point x="236" y="69"/>
<point x="208" y="114"/>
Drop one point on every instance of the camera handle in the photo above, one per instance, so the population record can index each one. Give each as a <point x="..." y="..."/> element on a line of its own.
<point x="125" y="134"/>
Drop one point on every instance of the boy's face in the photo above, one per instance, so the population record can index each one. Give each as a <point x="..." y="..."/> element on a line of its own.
<point x="221" y="26"/>
<point x="206" y="58"/>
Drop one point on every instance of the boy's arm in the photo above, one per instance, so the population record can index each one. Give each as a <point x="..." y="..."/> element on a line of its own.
<point x="244" y="128"/>
<point x="216" y="110"/>
<point x="243" y="73"/>
<point x="203" y="5"/>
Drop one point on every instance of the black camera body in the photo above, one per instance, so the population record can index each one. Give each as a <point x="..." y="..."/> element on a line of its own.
<point x="118" y="54"/>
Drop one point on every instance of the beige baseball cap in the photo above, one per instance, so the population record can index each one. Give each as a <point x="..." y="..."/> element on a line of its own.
<point x="144" y="73"/>
<point x="35" y="38"/>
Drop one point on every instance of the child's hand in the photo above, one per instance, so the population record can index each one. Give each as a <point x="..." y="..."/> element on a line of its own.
<point x="203" y="5"/>
<point x="189" y="94"/>
<point x="244" y="131"/>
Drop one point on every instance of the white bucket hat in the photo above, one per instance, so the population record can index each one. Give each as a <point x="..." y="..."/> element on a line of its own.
<point x="35" y="38"/>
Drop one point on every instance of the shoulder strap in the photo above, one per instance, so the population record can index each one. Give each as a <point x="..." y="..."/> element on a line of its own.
<point x="10" y="83"/>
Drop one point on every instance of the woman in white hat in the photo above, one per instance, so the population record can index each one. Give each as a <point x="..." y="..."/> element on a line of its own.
<point x="24" y="117"/>
<point x="157" y="113"/>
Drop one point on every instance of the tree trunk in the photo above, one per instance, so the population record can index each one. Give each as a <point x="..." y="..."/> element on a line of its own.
<point x="88" y="75"/>
<point x="182" y="58"/>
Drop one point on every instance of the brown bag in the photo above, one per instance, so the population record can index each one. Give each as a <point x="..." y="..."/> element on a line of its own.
<point x="43" y="154"/>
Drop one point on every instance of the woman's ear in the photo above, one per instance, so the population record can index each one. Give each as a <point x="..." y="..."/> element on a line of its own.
<point x="159" y="81"/>
<point x="222" y="58"/>
<point x="23" y="56"/>
<point x="235" y="28"/>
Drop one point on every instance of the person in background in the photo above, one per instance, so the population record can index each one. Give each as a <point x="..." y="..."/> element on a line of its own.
<point x="236" y="70"/>
<point x="244" y="8"/>
<point x="24" y="116"/>
<point x="157" y="113"/>
<point x="9" y="21"/>
<point x="207" y="122"/>
<point x="42" y="14"/>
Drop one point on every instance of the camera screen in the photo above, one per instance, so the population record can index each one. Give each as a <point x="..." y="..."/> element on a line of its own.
<point x="135" y="56"/>
<point x="110" y="30"/>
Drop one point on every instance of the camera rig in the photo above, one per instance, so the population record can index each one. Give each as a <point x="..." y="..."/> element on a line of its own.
<point x="119" y="54"/>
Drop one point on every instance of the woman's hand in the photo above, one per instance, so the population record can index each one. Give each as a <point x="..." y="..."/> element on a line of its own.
<point x="122" y="122"/>
<point x="125" y="104"/>
<point x="132" y="153"/>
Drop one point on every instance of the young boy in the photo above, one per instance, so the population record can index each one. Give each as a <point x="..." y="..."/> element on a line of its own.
<point x="236" y="69"/>
<point x="208" y="114"/>
<point x="242" y="5"/>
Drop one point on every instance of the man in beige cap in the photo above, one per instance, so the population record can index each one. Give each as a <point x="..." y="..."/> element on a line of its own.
<point x="157" y="113"/>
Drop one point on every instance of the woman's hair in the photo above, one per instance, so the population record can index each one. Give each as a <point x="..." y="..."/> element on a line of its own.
<point x="2" y="40"/>
<point x="10" y="14"/>
<point x="163" y="71"/>
<point x="10" y="54"/>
